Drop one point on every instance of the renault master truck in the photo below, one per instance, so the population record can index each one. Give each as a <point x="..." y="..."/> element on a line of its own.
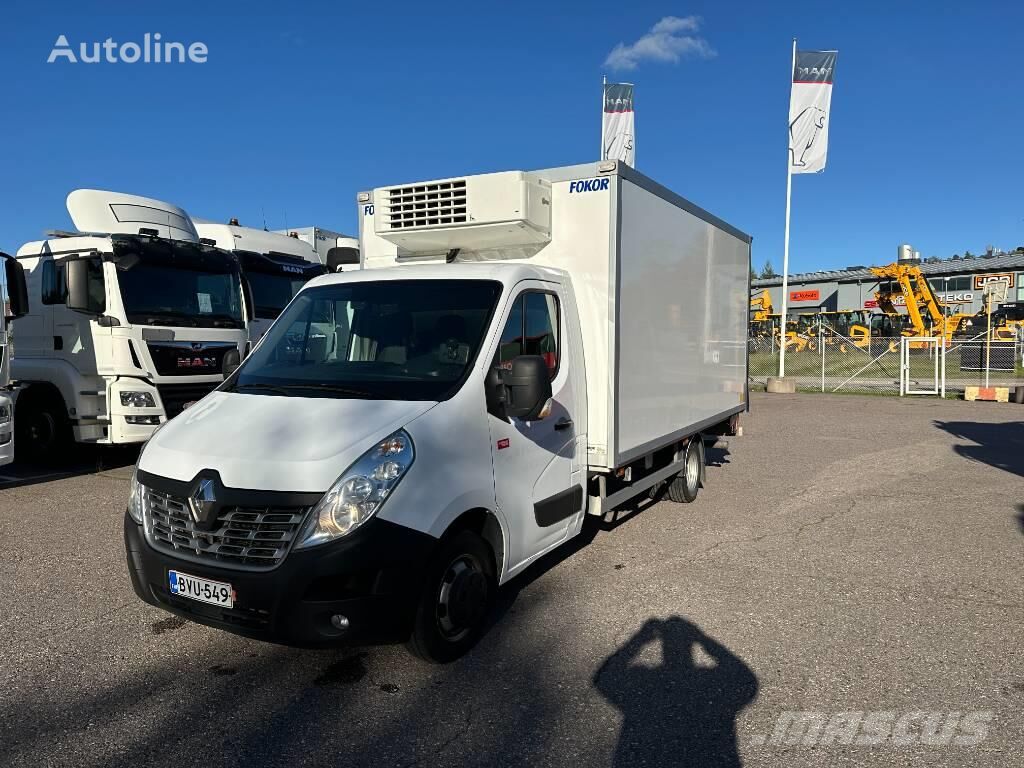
<point x="274" y="267"/>
<point x="15" y="306"/>
<point x="519" y="350"/>
<point x="131" y="319"/>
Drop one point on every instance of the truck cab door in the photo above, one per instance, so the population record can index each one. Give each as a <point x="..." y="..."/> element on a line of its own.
<point x="538" y="479"/>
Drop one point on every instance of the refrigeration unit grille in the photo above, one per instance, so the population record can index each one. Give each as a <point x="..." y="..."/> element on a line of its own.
<point x="426" y="205"/>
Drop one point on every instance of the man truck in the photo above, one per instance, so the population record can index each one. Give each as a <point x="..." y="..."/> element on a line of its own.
<point x="274" y="267"/>
<point x="131" y="319"/>
<point x="519" y="350"/>
<point x="16" y="306"/>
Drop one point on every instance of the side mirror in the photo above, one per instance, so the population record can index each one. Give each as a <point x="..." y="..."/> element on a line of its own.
<point x="17" y="291"/>
<point x="232" y="359"/>
<point x="527" y="387"/>
<point x="78" y="286"/>
<point x="339" y="255"/>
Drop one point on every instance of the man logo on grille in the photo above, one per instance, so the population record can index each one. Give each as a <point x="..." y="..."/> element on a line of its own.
<point x="202" y="501"/>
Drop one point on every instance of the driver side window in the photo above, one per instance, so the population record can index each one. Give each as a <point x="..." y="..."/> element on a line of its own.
<point x="532" y="328"/>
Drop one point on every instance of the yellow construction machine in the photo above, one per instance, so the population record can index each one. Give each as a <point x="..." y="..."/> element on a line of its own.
<point x="761" y="307"/>
<point x="926" y="315"/>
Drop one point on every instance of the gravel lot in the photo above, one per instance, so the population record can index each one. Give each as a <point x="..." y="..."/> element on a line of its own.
<point x="849" y="554"/>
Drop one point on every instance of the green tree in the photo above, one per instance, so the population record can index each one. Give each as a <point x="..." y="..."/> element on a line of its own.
<point x="768" y="270"/>
<point x="968" y="255"/>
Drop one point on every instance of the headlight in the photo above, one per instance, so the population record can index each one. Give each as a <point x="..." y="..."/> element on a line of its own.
<point x="5" y="413"/>
<point x="357" y="495"/>
<point x="137" y="499"/>
<point x="138" y="399"/>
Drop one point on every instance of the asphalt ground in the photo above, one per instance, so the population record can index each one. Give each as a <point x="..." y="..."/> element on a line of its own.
<point x="857" y="555"/>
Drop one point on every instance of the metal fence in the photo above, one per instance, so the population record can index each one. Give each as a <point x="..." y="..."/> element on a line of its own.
<point x="829" y="361"/>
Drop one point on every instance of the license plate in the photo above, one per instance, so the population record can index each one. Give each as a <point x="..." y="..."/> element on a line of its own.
<point x="205" y="591"/>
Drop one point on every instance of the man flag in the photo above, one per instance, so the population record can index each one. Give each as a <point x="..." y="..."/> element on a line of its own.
<point x="618" y="141"/>
<point x="809" y="103"/>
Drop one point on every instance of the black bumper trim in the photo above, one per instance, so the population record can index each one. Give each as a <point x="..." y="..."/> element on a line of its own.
<point x="373" y="577"/>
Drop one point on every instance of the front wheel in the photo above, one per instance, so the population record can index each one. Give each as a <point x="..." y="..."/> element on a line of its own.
<point x="42" y="431"/>
<point x="459" y="590"/>
<point x="684" y="486"/>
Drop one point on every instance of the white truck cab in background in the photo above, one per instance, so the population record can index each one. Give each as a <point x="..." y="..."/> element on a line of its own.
<point x="274" y="267"/>
<point x="16" y="306"/>
<point x="519" y="350"/>
<point x="338" y="252"/>
<point x="131" y="319"/>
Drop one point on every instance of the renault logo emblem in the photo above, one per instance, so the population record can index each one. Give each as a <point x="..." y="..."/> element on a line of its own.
<point x="202" y="501"/>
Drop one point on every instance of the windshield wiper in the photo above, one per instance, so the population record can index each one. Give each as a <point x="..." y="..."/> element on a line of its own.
<point x="281" y="390"/>
<point x="291" y="387"/>
<point x="169" y="318"/>
<point x="332" y="388"/>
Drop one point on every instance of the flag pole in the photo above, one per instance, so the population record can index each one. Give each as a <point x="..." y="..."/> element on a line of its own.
<point x="604" y="87"/>
<point x="785" y="242"/>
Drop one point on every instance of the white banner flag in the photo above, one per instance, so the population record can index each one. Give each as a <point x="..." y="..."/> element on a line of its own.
<point x="618" y="140"/>
<point x="809" y="104"/>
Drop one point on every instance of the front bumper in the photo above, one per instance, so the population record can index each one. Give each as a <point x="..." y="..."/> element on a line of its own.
<point x="372" y="577"/>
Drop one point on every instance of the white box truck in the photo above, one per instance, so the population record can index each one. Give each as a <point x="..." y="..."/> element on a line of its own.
<point x="15" y="306"/>
<point x="131" y="318"/>
<point x="520" y="349"/>
<point x="274" y="267"/>
<point x="337" y="252"/>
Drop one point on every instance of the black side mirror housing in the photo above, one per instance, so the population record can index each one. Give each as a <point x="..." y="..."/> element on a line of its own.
<point x="527" y="387"/>
<point x="17" y="291"/>
<point x="339" y="256"/>
<point x="232" y="359"/>
<point x="78" y="286"/>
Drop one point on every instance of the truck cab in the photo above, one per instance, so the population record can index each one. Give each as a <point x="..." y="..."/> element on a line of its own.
<point x="17" y="306"/>
<point x="131" y="320"/>
<point x="274" y="267"/>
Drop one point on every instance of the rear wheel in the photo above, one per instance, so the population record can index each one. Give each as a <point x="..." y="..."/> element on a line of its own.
<point x="42" y="431"/>
<point x="457" y="596"/>
<point x="684" y="486"/>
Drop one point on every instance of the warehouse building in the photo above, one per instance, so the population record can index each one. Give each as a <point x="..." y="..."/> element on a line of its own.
<point x="958" y="282"/>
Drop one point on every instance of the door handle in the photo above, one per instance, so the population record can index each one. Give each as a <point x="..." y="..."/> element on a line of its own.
<point x="563" y="423"/>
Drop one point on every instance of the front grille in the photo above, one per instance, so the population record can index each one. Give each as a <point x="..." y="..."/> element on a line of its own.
<point x="176" y="396"/>
<point x="425" y="205"/>
<point x="252" y="537"/>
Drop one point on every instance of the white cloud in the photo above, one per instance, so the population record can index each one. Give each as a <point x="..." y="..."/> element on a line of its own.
<point x="669" y="40"/>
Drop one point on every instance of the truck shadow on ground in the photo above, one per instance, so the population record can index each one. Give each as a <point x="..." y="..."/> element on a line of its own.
<point x="1000" y="445"/>
<point x="681" y="711"/>
<point x="79" y="460"/>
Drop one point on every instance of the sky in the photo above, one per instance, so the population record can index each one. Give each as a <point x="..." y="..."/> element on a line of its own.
<point x="299" y="106"/>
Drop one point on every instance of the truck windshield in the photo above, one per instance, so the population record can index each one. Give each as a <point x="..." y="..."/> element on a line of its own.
<point x="175" y="283"/>
<point x="273" y="284"/>
<point x="380" y="340"/>
<point x="271" y="293"/>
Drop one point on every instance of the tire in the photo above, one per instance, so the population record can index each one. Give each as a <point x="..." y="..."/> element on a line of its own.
<point x="42" y="432"/>
<point x="684" y="486"/>
<point x="459" y="591"/>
